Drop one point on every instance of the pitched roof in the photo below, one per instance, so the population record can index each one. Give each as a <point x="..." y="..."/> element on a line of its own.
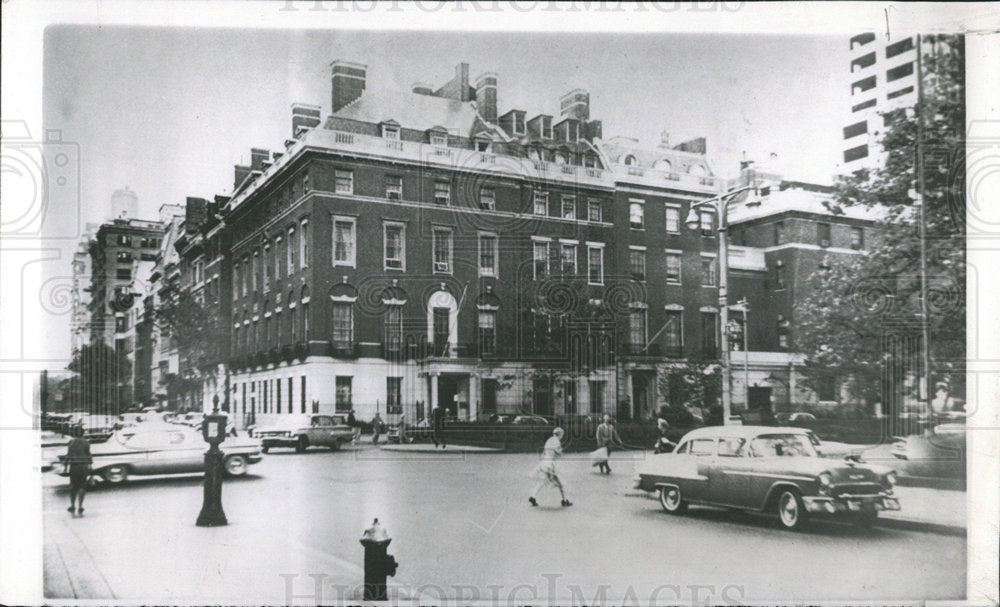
<point x="412" y="111"/>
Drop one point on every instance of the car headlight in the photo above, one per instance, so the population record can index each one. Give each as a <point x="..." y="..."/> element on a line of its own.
<point x="889" y="480"/>
<point x="824" y="482"/>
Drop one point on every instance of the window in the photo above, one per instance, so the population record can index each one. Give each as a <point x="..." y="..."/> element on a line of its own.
<point x="482" y="145"/>
<point x="673" y="219"/>
<point x="782" y="331"/>
<point x="630" y="160"/>
<point x="731" y="447"/>
<point x="569" y="207"/>
<point x="124" y="240"/>
<point x="637" y="264"/>
<point x="442" y="251"/>
<point x="863" y="85"/>
<point x="302" y="397"/>
<point x="344" y="241"/>
<point x="343" y="182"/>
<point x="823" y="234"/>
<point x="343" y="325"/>
<point x="903" y="91"/>
<point x="779" y="277"/>
<point x="487" y="332"/>
<point x="124" y="256"/>
<point x="291" y="251"/>
<point x="394" y="328"/>
<point x="393" y="395"/>
<point x="246" y="274"/>
<point x="236" y="280"/>
<point x="856" y="153"/>
<point x="898" y="72"/>
<point x="864" y="105"/>
<point x="390" y="132"/>
<point x="277" y="396"/>
<point x="597" y="388"/>
<point x="898" y="48"/>
<point x="595" y="265"/>
<point x="708" y="272"/>
<point x="541" y="200"/>
<point x="394" y="188"/>
<point x="540" y="256"/>
<point x="569" y="396"/>
<point x="439" y="139"/>
<point x="394" y="235"/>
<point x="344" y="403"/>
<point x="487" y="199"/>
<point x="278" y="256"/>
<point x="267" y="267"/>
<point x="254" y="264"/>
<point x="636" y="214"/>
<point x="863" y="61"/>
<point x="488" y="253"/>
<point x="857" y="238"/>
<point x="546" y="128"/>
<point x="709" y="334"/>
<point x="441" y="331"/>
<point x="672" y="335"/>
<point x="858" y="128"/>
<point x="779" y="233"/>
<point x="707" y="221"/>
<point x="568" y="259"/>
<point x="304" y="243"/>
<point x="442" y="193"/>
<point x="673" y="268"/>
<point x="293" y="322"/>
<point x="637" y="329"/>
<point x="594" y="210"/>
<point x="123" y="274"/>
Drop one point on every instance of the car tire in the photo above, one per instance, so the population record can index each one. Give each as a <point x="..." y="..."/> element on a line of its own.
<point x="265" y="449"/>
<point x="235" y="465"/>
<point x="335" y="446"/>
<point x="115" y="474"/>
<point x="302" y="444"/>
<point x="791" y="510"/>
<point x="672" y="501"/>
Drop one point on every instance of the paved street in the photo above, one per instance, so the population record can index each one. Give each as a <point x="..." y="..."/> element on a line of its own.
<point x="463" y="520"/>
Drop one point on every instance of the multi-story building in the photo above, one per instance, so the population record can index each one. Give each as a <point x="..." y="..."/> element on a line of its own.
<point x="425" y="247"/>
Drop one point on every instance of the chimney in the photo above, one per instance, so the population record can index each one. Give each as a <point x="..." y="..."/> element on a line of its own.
<point x="240" y="175"/>
<point x="593" y="130"/>
<point x="195" y="214"/>
<point x="458" y="87"/>
<point x="575" y="104"/>
<point x="347" y="82"/>
<point x="422" y="89"/>
<point x="486" y="97"/>
<point x="304" y="116"/>
<point x="697" y="146"/>
<point x="257" y="159"/>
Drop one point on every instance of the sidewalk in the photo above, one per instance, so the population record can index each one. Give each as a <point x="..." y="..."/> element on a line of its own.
<point x="430" y="448"/>
<point x="937" y="510"/>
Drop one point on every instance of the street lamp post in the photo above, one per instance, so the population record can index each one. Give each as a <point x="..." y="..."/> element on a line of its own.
<point x="720" y="204"/>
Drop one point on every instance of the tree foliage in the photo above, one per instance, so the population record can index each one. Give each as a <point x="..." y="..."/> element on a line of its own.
<point x="100" y="383"/>
<point x="849" y="306"/>
<point x="194" y="326"/>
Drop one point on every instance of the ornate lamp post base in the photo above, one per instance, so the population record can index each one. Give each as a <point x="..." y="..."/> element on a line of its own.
<point x="212" y="514"/>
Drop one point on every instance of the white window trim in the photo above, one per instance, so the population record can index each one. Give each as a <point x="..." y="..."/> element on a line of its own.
<point x="591" y="202"/>
<point x="680" y="220"/>
<point x="343" y="298"/>
<point x="482" y="205"/>
<point x="352" y="262"/>
<point x="598" y="246"/>
<point x="451" y="250"/>
<point x="303" y="243"/>
<point x="708" y="254"/>
<point x="536" y="195"/>
<point x="563" y="242"/>
<point x="541" y="239"/>
<point x="496" y="254"/>
<point x="350" y="174"/>
<point x="636" y="247"/>
<point x="289" y="252"/>
<point x="632" y="201"/>
<point x="715" y="265"/>
<point x="386" y="192"/>
<point x="680" y="266"/>
<point x="402" y="249"/>
<point x="563" y="198"/>
<point x="435" y="196"/>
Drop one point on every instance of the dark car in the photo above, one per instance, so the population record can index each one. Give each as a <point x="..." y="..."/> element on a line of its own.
<point x="766" y="469"/>
<point x="304" y="431"/>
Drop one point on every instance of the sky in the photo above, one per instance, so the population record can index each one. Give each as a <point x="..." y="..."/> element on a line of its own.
<point x="169" y="111"/>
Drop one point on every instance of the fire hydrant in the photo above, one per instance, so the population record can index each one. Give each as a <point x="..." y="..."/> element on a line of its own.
<point x="378" y="564"/>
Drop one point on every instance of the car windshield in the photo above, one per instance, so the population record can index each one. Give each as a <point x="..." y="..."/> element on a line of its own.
<point x="782" y="445"/>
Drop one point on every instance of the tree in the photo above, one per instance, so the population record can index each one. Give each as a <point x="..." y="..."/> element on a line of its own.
<point x="850" y="305"/>
<point x="97" y="386"/>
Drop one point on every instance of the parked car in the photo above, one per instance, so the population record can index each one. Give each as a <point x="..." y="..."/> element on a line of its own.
<point x="794" y="417"/>
<point x="531" y="420"/>
<point x="766" y="469"/>
<point x="304" y="431"/>
<point x="162" y="449"/>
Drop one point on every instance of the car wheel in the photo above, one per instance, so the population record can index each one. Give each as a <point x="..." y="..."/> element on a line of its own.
<point x="115" y="474"/>
<point x="265" y="449"/>
<point x="335" y="446"/>
<point x="791" y="509"/>
<point x="671" y="500"/>
<point x="236" y="465"/>
<point x="302" y="444"/>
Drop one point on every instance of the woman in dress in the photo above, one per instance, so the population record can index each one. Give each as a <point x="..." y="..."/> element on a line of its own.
<point x="606" y="437"/>
<point x="545" y="472"/>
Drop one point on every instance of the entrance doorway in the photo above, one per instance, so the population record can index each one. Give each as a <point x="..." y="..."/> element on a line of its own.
<point x="447" y="390"/>
<point x="759" y="398"/>
<point x="641" y="386"/>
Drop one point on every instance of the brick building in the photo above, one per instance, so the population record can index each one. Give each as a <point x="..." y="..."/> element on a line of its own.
<point x="430" y="247"/>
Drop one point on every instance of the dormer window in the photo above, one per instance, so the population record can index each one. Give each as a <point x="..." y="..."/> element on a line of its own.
<point x="561" y="158"/>
<point x="630" y="160"/>
<point x="519" y="123"/>
<point x="439" y="137"/>
<point x="390" y="130"/>
<point x="482" y="145"/>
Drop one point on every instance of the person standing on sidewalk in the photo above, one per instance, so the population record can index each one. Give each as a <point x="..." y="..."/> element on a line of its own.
<point x="545" y="471"/>
<point x="377" y="426"/>
<point x="437" y="419"/>
<point x="606" y="437"/>
<point x="78" y="460"/>
<point x="355" y="429"/>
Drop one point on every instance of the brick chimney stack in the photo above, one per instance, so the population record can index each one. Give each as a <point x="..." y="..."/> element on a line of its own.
<point x="347" y="82"/>
<point x="486" y="96"/>
<point x="575" y="104"/>
<point x="304" y="116"/>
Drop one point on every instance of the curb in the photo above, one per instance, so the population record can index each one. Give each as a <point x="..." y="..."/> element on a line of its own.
<point x="451" y="449"/>
<point x="926" y="526"/>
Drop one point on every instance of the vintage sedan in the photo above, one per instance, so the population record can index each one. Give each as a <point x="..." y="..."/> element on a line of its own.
<point x="766" y="469"/>
<point x="304" y="431"/>
<point x="165" y="449"/>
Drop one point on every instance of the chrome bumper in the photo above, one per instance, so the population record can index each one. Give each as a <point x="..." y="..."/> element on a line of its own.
<point x="851" y="503"/>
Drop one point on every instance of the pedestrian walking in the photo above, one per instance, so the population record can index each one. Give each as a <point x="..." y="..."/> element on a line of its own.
<point x="437" y="430"/>
<point x="377" y="428"/>
<point x="355" y="428"/>
<point x="545" y="471"/>
<point x="606" y="436"/>
<point x="78" y="461"/>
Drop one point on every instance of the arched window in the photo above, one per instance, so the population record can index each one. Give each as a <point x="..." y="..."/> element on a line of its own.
<point x="630" y="160"/>
<point x="663" y="165"/>
<point x="697" y="169"/>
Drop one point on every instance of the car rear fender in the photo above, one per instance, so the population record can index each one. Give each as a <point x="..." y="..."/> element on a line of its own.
<point x="772" y="494"/>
